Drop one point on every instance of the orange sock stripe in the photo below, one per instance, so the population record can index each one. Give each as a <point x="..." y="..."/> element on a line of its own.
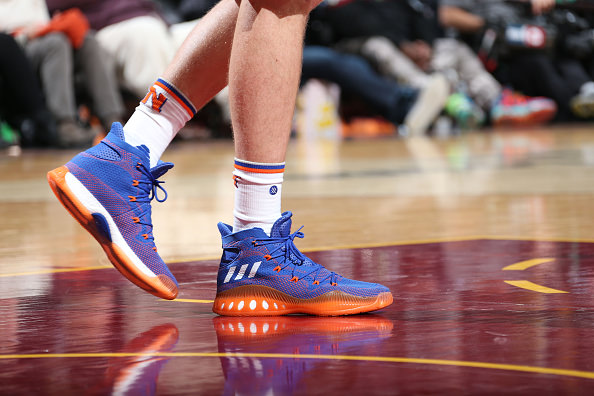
<point x="259" y="167"/>
<point x="245" y="168"/>
<point x="177" y="97"/>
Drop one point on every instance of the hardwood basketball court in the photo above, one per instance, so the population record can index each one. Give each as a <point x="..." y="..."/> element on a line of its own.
<point x="486" y="241"/>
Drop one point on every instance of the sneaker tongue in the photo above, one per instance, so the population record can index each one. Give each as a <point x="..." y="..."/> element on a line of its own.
<point x="117" y="130"/>
<point x="282" y="227"/>
<point x="161" y="168"/>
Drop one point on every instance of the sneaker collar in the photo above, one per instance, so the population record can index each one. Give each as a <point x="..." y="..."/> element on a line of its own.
<point x="116" y="136"/>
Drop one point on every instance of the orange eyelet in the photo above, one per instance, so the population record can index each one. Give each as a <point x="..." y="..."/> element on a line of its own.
<point x="145" y="236"/>
<point x="254" y="243"/>
<point x="155" y="248"/>
<point x="277" y="268"/>
<point x="268" y="257"/>
<point x="132" y="199"/>
<point x="334" y="284"/>
<point x="135" y="183"/>
<point x="136" y="219"/>
<point x="294" y="279"/>
<point x="316" y="282"/>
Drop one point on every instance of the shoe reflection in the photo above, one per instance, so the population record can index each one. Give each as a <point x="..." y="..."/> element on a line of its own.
<point x="137" y="375"/>
<point x="293" y="336"/>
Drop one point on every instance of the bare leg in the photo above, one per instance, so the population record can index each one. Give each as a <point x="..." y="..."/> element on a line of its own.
<point x="198" y="71"/>
<point x="264" y="76"/>
<point x="257" y="43"/>
<point x="201" y="66"/>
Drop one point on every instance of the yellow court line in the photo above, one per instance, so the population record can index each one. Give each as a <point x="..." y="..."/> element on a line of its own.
<point x="439" y="362"/>
<point x="399" y="243"/>
<point x="191" y="300"/>
<point x="522" y="265"/>
<point x="177" y="261"/>
<point x="55" y="271"/>
<point x="524" y="284"/>
<point x="535" y="239"/>
<point x="354" y="246"/>
<point x="414" y="242"/>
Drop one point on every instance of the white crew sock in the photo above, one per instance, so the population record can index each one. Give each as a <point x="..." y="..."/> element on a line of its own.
<point x="157" y="119"/>
<point x="257" y="194"/>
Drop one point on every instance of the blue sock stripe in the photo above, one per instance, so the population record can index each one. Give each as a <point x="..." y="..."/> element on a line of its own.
<point x="178" y="95"/>
<point x="259" y="167"/>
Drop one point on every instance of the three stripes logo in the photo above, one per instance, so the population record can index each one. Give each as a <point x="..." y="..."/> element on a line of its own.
<point x="242" y="271"/>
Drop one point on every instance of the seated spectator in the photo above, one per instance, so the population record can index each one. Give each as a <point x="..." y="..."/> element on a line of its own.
<point x="576" y="41"/>
<point x="179" y="11"/>
<point x="399" y="104"/>
<point x="525" y="65"/>
<point x="403" y="39"/>
<point x="24" y="108"/>
<point x="135" y="34"/>
<point x="57" y="48"/>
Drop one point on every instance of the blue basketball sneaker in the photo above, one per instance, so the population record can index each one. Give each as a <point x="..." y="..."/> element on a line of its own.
<point x="263" y="275"/>
<point x="109" y="189"/>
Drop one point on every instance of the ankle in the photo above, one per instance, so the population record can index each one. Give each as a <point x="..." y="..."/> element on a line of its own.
<point x="157" y="119"/>
<point x="258" y="188"/>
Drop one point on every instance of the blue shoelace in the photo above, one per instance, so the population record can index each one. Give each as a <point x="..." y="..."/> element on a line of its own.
<point x="288" y="255"/>
<point x="149" y="188"/>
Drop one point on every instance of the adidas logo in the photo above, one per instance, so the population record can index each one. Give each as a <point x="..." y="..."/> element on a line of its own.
<point x="242" y="271"/>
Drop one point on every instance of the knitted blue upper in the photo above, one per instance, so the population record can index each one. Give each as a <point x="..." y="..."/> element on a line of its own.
<point x="252" y="249"/>
<point x="119" y="176"/>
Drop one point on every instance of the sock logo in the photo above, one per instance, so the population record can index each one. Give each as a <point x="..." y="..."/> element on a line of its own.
<point x="241" y="272"/>
<point x="154" y="99"/>
<point x="236" y="180"/>
<point x="273" y="190"/>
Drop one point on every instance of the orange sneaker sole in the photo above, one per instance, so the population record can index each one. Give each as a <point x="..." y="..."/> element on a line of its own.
<point x="266" y="301"/>
<point x="159" y="285"/>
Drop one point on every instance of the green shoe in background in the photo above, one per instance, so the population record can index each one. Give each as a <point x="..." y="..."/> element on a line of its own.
<point x="468" y="115"/>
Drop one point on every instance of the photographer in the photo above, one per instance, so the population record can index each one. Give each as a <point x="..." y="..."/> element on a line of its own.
<point x="576" y="31"/>
<point x="515" y="42"/>
<point x="404" y="41"/>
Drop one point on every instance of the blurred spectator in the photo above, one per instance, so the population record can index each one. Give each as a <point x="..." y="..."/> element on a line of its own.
<point x="347" y="24"/>
<point x="585" y="40"/>
<point x="57" y="48"/>
<point x="23" y="109"/>
<point x="576" y="40"/>
<point x="136" y="36"/>
<point x="516" y="45"/>
<point x="404" y="40"/>
<point x="178" y="11"/>
<point x="355" y="76"/>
